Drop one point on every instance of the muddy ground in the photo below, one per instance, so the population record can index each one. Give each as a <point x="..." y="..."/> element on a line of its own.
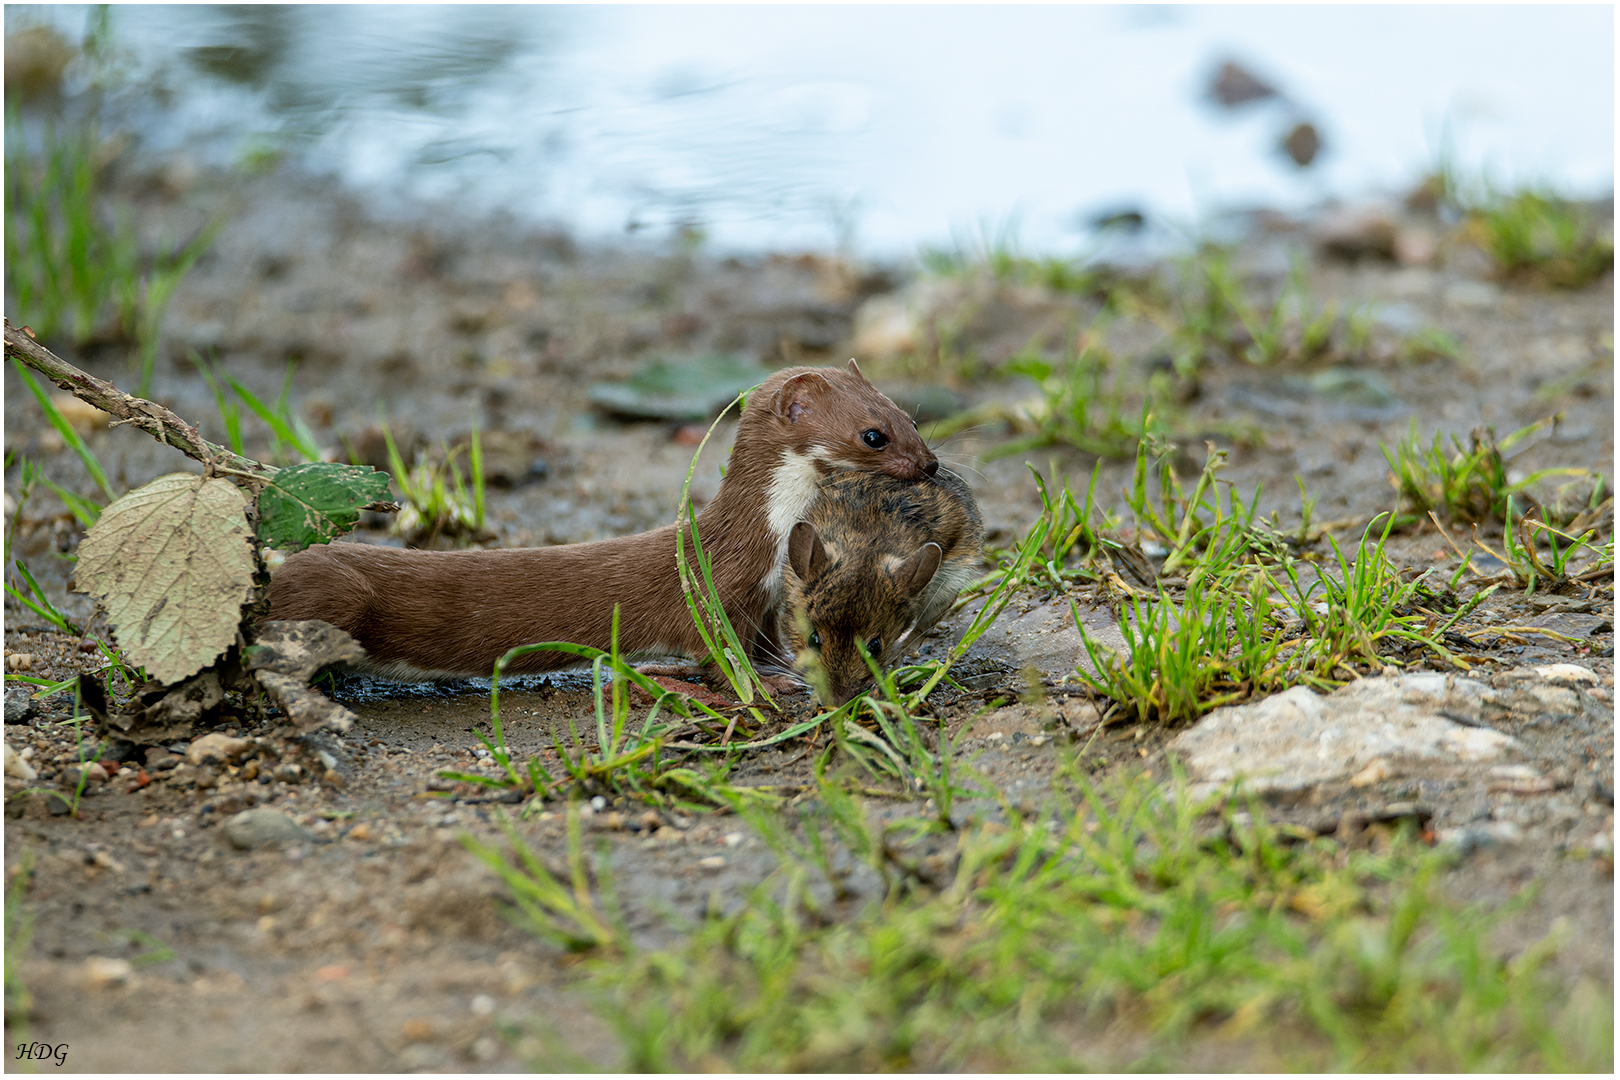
<point x="377" y="943"/>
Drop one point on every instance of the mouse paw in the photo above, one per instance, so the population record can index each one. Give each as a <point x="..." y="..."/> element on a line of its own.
<point x="674" y="671"/>
<point x="782" y="684"/>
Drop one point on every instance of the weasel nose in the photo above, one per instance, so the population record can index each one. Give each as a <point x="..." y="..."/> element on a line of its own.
<point x="931" y="468"/>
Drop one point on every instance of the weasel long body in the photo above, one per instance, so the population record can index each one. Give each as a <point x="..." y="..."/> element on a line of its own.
<point x="425" y="614"/>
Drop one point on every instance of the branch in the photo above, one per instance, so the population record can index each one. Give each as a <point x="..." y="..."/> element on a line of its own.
<point x="152" y="418"/>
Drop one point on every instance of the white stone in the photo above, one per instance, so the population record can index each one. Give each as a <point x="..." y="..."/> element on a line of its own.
<point x="1567" y="674"/>
<point x="1297" y="739"/>
<point x="215" y="747"/>
<point x="104" y="971"/>
<point x="17" y="765"/>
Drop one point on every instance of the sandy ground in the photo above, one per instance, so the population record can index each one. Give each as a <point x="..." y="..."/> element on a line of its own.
<point x="378" y="943"/>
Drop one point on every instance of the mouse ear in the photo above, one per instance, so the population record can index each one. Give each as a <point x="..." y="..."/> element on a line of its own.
<point x="913" y="576"/>
<point x="796" y="396"/>
<point x="806" y="553"/>
<point x="800" y="541"/>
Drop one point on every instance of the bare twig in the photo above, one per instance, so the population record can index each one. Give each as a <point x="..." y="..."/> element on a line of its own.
<point x="152" y="418"/>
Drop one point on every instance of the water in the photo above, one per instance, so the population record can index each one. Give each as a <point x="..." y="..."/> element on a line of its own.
<point x="876" y="128"/>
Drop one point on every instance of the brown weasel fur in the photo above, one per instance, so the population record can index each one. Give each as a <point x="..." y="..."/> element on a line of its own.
<point x="435" y="614"/>
<point x="877" y="561"/>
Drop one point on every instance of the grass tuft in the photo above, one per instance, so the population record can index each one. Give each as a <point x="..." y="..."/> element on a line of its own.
<point x="1466" y="484"/>
<point x="1538" y="237"/>
<point x="75" y="265"/>
<point x="1173" y="925"/>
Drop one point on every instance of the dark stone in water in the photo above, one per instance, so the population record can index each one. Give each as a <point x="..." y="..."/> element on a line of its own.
<point x="1302" y="143"/>
<point x="1235" y="85"/>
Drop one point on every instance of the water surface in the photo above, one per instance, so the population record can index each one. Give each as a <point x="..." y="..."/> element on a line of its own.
<point x="880" y="128"/>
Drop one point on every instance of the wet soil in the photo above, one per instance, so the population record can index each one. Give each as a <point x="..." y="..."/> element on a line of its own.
<point x="378" y="942"/>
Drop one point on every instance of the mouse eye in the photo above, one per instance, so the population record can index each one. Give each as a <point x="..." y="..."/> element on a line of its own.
<point x="815" y="640"/>
<point x="874" y="438"/>
<point x="875" y="647"/>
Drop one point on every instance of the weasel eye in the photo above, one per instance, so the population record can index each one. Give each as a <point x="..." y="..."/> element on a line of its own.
<point x="815" y="640"/>
<point x="875" y="647"/>
<point x="874" y="438"/>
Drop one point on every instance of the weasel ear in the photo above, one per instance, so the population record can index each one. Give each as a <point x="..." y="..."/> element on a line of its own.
<point x="913" y="576"/>
<point x="855" y="370"/>
<point x="794" y="398"/>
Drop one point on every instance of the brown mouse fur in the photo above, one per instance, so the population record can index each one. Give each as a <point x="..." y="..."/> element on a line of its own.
<point x="876" y="561"/>
<point x="435" y="614"/>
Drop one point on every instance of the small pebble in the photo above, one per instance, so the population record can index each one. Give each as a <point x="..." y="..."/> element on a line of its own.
<point x="713" y="862"/>
<point x="101" y="972"/>
<point x="1567" y="675"/>
<point x="482" y="1005"/>
<point x="17" y="763"/>
<point x="213" y="748"/>
<point x="257" y="828"/>
<point x="20" y="705"/>
<point x="158" y="759"/>
<point x="1377" y="769"/>
<point x="417" y="1029"/>
<point x="93" y="774"/>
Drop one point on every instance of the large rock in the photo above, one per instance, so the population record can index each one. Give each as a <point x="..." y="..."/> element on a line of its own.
<point x="1297" y="739"/>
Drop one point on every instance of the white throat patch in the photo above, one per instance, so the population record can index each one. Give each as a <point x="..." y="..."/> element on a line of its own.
<point x="793" y="486"/>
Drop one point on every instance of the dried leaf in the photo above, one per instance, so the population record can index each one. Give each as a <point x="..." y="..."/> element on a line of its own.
<point x="286" y="654"/>
<point x="300" y="648"/>
<point x="309" y="710"/>
<point x="159" y="714"/>
<point x="172" y="563"/>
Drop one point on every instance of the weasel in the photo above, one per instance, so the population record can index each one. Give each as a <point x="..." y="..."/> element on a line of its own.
<point x="876" y="561"/>
<point x="441" y="614"/>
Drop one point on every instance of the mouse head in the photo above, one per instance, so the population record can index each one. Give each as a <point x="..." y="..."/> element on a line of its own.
<point x="844" y="600"/>
<point x="842" y="420"/>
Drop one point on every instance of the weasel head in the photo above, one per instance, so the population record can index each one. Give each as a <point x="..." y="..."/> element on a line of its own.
<point x="841" y="420"/>
<point x="843" y="598"/>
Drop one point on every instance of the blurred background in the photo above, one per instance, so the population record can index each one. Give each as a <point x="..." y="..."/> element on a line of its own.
<point x="875" y="130"/>
<point x="370" y="232"/>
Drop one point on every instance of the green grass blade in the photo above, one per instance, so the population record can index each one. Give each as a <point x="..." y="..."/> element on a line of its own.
<point x="65" y="429"/>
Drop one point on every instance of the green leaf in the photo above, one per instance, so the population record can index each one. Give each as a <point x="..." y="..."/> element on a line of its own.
<point x="172" y="563"/>
<point x="311" y="504"/>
